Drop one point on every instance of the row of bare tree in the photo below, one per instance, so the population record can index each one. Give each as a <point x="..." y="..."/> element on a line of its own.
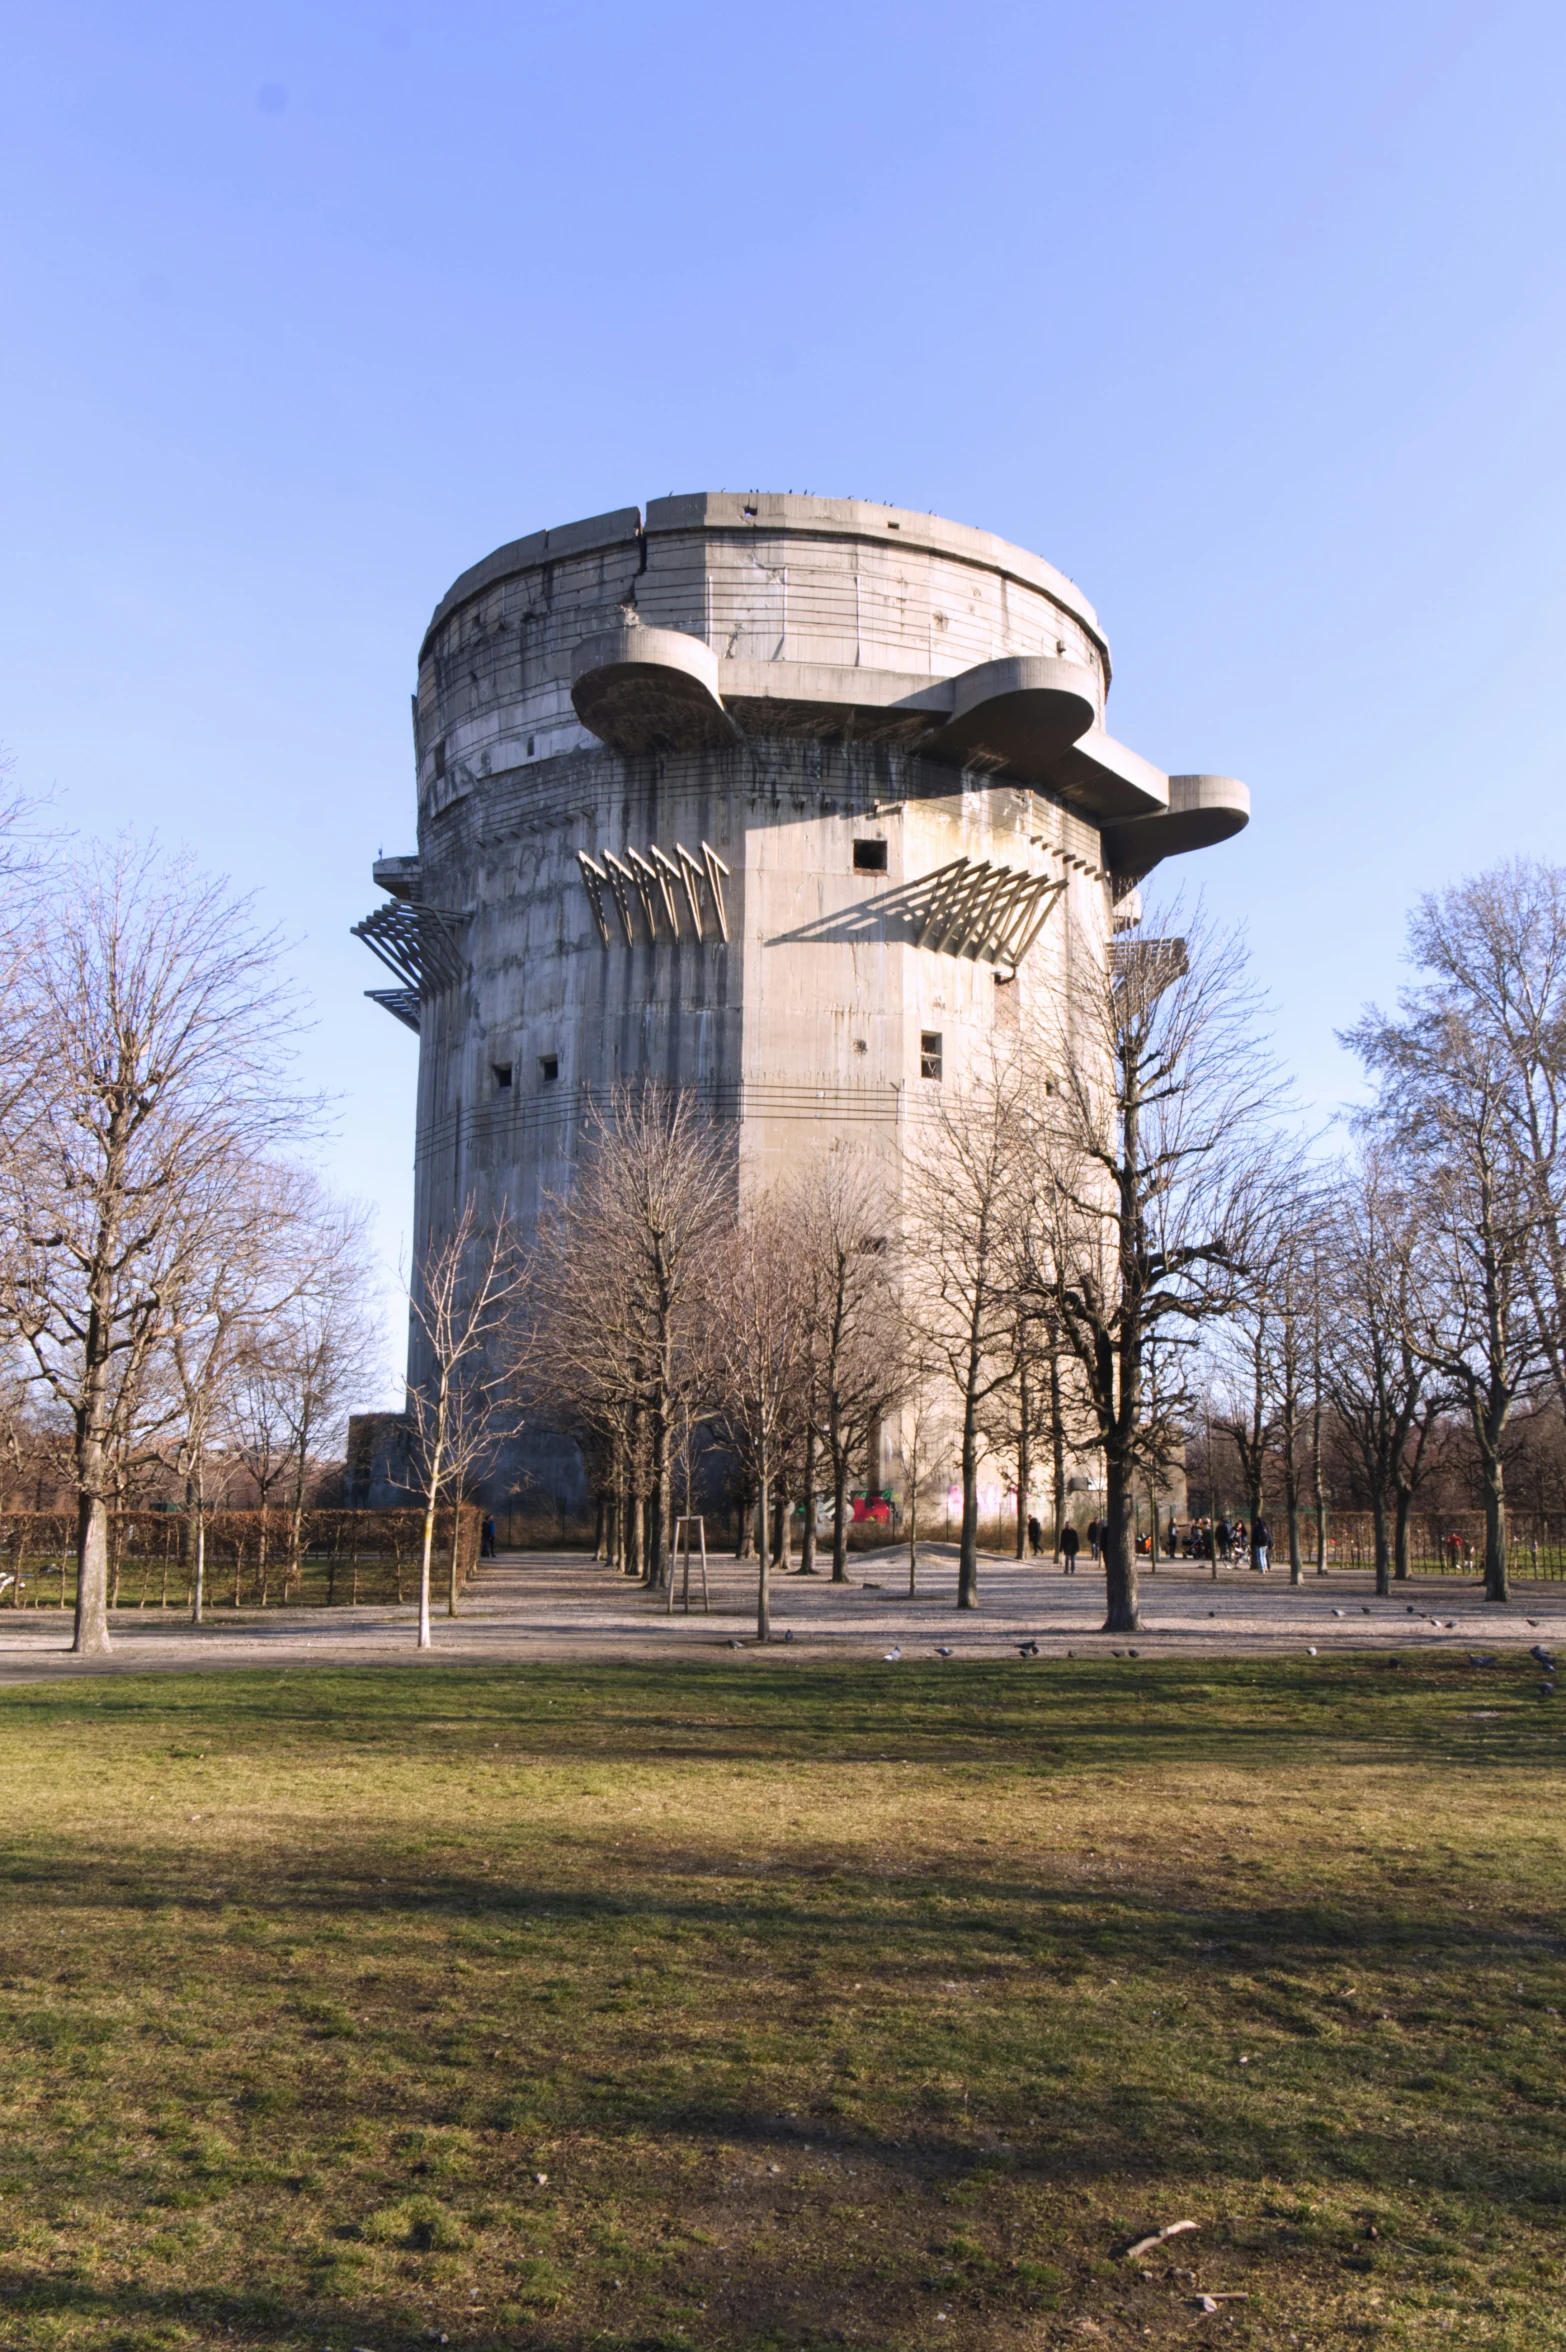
<point x="174" y="1290"/>
<point x="1416" y="1290"/>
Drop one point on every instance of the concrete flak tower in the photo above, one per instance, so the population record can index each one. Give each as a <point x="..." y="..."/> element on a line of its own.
<point x="792" y="801"/>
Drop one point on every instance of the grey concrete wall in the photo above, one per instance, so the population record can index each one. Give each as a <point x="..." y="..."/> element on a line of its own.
<point x="834" y="627"/>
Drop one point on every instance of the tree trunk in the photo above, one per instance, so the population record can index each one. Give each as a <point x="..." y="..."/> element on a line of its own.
<point x="807" y="1550"/>
<point x="1403" y="1512"/>
<point x="968" y="1552"/>
<point x="1497" y="1586"/>
<point x="1024" y="1451"/>
<point x="199" y="1582"/>
<point x="456" y="1540"/>
<point x="1378" y="1512"/>
<point x="91" y="1637"/>
<point x="913" y="1533"/>
<point x="1120" y="1574"/>
<point x="763" y="1550"/>
<point x="839" y="1512"/>
<point x="1057" y="1433"/>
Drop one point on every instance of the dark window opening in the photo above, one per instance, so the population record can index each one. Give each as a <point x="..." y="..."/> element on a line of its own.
<point x="440" y="757"/>
<point x="929" y="1053"/>
<point x="548" y="1067"/>
<point x="502" y="1072"/>
<point x="869" y="857"/>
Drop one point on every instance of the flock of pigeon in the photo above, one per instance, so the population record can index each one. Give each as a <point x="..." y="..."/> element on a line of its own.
<point x="1030" y="1649"/>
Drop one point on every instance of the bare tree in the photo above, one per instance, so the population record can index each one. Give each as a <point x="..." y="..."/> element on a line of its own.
<point x="623" y="1303"/>
<point x="920" y="1435"/>
<point x="466" y="1308"/>
<point x="1446" y="1101"/>
<point x="1161" y="1163"/>
<point x="842" y="1219"/>
<point x="1492" y="951"/>
<point x="1378" y="1380"/>
<point x="969" y="1161"/>
<point x="162" y="1032"/>
<point x="238" y="1272"/>
<point x="320" y="1340"/>
<point x="762" y="1360"/>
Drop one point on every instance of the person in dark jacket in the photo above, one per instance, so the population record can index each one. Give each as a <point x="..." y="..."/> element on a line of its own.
<point x="1261" y="1544"/>
<point x="1035" y="1537"/>
<point x="487" y="1540"/>
<point x="1070" y="1545"/>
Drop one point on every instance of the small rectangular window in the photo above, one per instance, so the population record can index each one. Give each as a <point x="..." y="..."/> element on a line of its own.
<point x="440" y="757"/>
<point x="502" y="1072"/>
<point x="548" y="1067"/>
<point x="929" y="1053"/>
<point x="869" y="857"/>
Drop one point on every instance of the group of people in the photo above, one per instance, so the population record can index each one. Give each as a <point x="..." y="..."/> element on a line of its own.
<point x="1202" y="1539"/>
<point x="1069" y="1544"/>
<point x="1223" y="1539"/>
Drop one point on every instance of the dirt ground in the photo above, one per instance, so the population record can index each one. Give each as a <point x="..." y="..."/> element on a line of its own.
<point x="563" y="1605"/>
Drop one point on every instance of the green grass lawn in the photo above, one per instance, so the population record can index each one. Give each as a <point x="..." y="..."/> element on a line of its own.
<point x="750" y="2004"/>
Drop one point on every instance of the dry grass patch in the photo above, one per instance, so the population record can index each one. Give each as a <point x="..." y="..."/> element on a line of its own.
<point x="845" y="2006"/>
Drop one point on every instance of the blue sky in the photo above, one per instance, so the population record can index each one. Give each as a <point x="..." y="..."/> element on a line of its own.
<point x="1250" y="318"/>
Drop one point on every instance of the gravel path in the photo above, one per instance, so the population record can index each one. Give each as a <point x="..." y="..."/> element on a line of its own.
<point x="561" y="1605"/>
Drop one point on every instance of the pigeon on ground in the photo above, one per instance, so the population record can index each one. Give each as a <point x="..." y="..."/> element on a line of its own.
<point x="892" y="1656"/>
<point x="1336" y="1612"/>
<point x="1532" y="1621"/>
<point x="1310" y="1653"/>
<point x="1364" y="1612"/>
<point x="1544" y="1656"/>
<point x="736" y="1645"/>
<point x="1485" y="1661"/>
<point x="1027" y="1649"/>
<point x="942" y="1651"/>
<point x="789" y="1635"/>
<point x="1546" y="1690"/>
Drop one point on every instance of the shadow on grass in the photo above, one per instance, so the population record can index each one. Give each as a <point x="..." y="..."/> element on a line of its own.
<point x="1048" y="1714"/>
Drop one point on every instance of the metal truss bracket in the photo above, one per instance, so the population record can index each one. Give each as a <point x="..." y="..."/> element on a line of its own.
<point x="415" y="944"/>
<point x="657" y="886"/>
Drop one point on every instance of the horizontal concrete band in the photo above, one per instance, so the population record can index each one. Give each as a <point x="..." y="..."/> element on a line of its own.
<point x="738" y="514"/>
<point x="726" y="1103"/>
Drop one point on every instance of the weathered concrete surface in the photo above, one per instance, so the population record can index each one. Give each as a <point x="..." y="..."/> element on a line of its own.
<point x="833" y="701"/>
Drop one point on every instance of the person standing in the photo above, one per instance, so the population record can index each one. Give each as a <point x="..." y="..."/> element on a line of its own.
<point x="1261" y="1544"/>
<point x="1035" y="1537"/>
<point x="1070" y="1545"/>
<point x="1225" y="1540"/>
<point x="487" y="1539"/>
<point x="1095" y="1531"/>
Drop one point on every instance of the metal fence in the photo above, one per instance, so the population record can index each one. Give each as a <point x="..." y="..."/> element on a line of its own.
<point x="342" y="1558"/>
<point x="1449" y="1543"/>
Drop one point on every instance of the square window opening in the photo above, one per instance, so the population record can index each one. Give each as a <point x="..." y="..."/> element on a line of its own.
<point x="929" y="1053"/>
<point x="549" y="1068"/>
<point x="869" y="857"/>
<point x="502" y="1072"/>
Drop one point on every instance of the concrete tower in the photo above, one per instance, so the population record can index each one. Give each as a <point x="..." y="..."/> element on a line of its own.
<point x="793" y="801"/>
